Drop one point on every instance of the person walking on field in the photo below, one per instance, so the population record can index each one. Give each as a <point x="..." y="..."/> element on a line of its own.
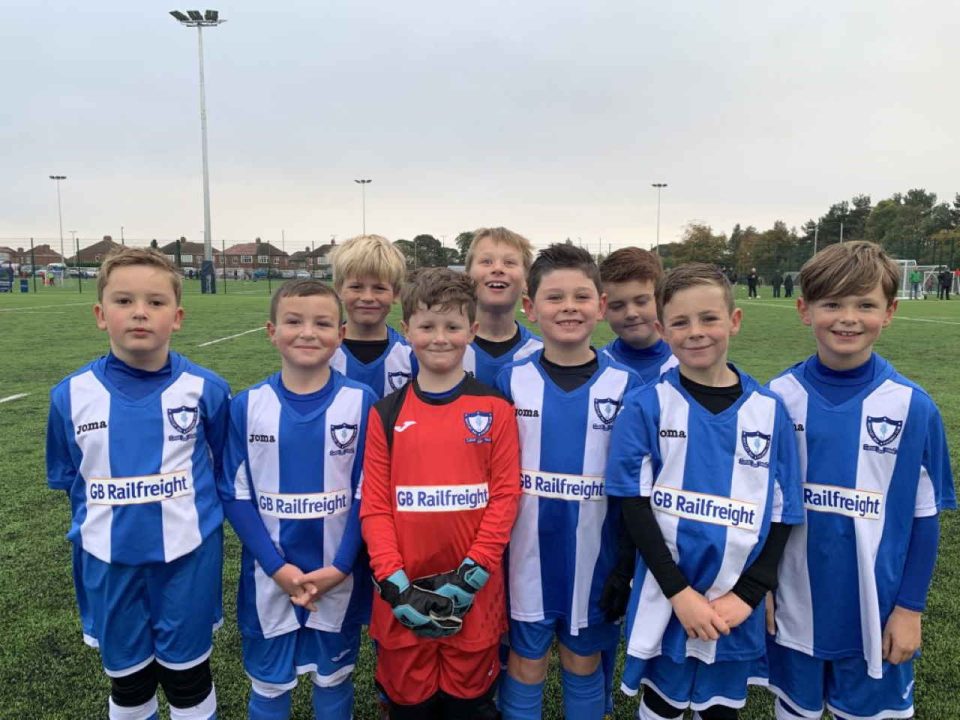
<point x="916" y="279"/>
<point x="752" y="280"/>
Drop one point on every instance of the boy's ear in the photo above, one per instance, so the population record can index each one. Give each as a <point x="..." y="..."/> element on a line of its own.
<point x="271" y="330"/>
<point x="602" y="310"/>
<point x="98" y="314"/>
<point x="736" y="318"/>
<point x="891" y="309"/>
<point x="474" y="328"/>
<point x="804" y="311"/>
<point x="178" y="320"/>
<point x="404" y="329"/>
<point x="658" y="326"/>
<point x="528" y="309"/>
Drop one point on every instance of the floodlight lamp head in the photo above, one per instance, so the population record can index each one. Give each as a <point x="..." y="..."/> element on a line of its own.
<point x="179" y="16"/>
<point x="195" y="15"/>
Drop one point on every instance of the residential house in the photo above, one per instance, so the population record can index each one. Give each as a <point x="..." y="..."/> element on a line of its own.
<point x="257" y="255"/>
<point x="94" y="254"/>
<point x="190" y="255"/>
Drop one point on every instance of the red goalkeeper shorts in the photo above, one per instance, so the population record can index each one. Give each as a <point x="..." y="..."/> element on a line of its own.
<point x="414" y="674"/>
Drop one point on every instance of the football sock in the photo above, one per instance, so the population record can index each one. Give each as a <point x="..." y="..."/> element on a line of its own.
<point x="520" y="701"/>
<point x="204" y="710"/>
<point x="608" y="661"/>
<point x="147" y="711"/>
<point x="783" y="711"/>
<point x="335" y="702"/>
<point x="583" y="697"/>
<point x="261" y="707"/>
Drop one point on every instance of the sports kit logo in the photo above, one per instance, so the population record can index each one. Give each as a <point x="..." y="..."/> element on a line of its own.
<point x="479" y="424"/>
<point x="343" y="436"/>
<point x="883" y="431"/>
<point x="756" y="445"/>
<point x="398" y="379"/>
<point x="607" y="410"/>
<point x="183" y="419"/>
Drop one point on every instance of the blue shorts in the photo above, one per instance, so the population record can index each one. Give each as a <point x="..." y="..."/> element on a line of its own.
<point x="164" y="611"/>
<point x="805" y="683"/>
<point x="532" y="640"/>
<point x="274" y="664"/>
<point x="694" y="683"/>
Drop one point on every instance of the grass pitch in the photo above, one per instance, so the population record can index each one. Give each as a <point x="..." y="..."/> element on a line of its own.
<point x="47" y="672"/>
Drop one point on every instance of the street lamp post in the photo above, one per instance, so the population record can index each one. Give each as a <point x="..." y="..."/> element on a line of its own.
<point x="210" y="18"/>
<point x="659" y="187"/>
<point x="58" y="178"/>
<point x="363" y="196"/>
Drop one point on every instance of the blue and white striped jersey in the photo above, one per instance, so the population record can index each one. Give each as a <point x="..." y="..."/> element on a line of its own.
<point x="302" y="471"/>
<point x="715" y="484"/>
<point x="869" y="466"/>
<point x="564" y="542"/>
<point x="649" y="363"/>
<point x="484" y="367"/>
<point x="140" y="473"/>
<point x="391" y="371"/>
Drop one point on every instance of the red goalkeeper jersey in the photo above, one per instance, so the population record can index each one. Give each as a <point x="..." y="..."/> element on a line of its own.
<point x="441" y="482"/>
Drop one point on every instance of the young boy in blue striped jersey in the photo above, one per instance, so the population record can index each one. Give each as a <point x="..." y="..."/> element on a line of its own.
<point x="706" y="464"/>
<point x="291" y="471"/>
<point x="135" y="438"/>
<point x="564" y="543"/>
<point x="367" y="274"/>
<point x="854" y="579"/>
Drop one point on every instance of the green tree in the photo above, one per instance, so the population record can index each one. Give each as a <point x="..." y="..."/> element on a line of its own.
<point x="463" y="244"/>
<point x="700" y="244"/>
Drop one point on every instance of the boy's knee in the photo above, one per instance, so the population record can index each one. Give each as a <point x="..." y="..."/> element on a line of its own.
<point x="135" y="689"/>
<point x="189" y="687"/>
<point x="578" y="664"/>
<point x="528" y="670"/>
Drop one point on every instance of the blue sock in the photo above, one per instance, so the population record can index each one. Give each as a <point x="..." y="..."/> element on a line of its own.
<point x="333" y="703"/>
<point x="264" y="708"/>
<point x="519" y="701"/>
<point x="608" y="663"/>
<point x="583" y="695"/>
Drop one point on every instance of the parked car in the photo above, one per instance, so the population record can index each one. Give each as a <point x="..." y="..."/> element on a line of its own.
<point x="302" y="274"/>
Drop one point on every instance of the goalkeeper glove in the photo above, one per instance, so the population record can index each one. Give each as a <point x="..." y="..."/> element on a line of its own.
<point x="427" y="613"/>
<point x="459" y="585"/>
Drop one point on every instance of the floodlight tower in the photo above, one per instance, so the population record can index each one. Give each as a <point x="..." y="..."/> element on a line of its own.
<point x="57" y="179"/>
<point x="210" y="18"/>
<point x="659" y="187"/>
<point x="363" y="194"/>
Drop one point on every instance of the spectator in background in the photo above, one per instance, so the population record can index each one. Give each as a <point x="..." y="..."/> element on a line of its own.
<point x="776" y="281"/>
<point x="946" y="280"/>
<point x="752" y="280"/>
<point x="788" y="286"/>
<point x="916" y="279"/>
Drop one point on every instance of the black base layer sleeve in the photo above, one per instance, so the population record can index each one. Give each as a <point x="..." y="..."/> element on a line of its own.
<point x="761" y="577"/>
<point x="642" y="526"/>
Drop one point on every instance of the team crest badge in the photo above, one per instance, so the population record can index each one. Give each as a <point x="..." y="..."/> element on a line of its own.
<point x="756" y="445"/>
<point x="183" y="419"/>
<point x="479" y="424"/>
<point x="398" y="379"/>
<point x="343" y="435"/>
<point x="607" y="410"/>
<point x="883" y="431"/>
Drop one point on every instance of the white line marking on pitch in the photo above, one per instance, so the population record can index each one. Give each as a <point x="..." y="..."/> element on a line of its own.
<point x="896" y="318"/>
<point x="38" y="307"/>
<point x="13" y="397"/>
<point x="231" y="337"/>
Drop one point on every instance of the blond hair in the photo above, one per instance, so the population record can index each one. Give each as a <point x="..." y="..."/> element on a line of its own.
<point x="691" y="275"/>
<point x="129" y="256"/>
<point x="505" y="237"/>
<point x="439" y="287"/>
<point x="851" y="268"/>
<point x="368" y="256"/>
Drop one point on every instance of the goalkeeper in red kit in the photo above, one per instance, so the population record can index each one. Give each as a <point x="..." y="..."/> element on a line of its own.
<point x="440" y="492"/>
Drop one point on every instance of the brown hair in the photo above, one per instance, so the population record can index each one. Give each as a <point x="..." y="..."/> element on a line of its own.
<point x="562" y="256"/>
<point x="129" y="256"/>
<point x="503" y="236"/>
<point x="851" y="268"/>
<point x="631" y="263"/>
<point x="432" y="287"/>
<point x="368" y="255"/>
<point x="303" y="288"/>
<point x="691" y="275"/>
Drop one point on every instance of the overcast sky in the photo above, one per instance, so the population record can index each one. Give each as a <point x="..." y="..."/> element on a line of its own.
<point x="552" y="118"/>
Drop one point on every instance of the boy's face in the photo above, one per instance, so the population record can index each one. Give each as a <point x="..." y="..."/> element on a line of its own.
<point x="139" y="311"/>
<point x="567" y="307"/>
<point x="698" y="326"/>
<point x="367" y="300"/>
<point x="498" y="271"/>
<point x="632" y="311"/>
<point x="439" y="338"/>
<point x="307" y="332"/>
<point x="847" y="327"/>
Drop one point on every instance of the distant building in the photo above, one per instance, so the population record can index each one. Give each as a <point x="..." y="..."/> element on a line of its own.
<point x="313" y="260"/>
<point x="94" y="254"/>
<point x="42" y="255"/>
<point x="191" y="254"/>
<point x="256" y="255"/>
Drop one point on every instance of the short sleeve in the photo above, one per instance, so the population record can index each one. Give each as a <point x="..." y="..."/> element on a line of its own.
<point x="61" y="467"/>
<point x="787" y="489"/>
<point x="630" y="463"/>
<point x="935" y="491"/>
<point x="233" y="480"/>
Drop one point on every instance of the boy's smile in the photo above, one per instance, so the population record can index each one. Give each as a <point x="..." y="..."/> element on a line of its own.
<point x="567" y="307"/>
<point x="847" y="327"/>
<point x="498" y="270"/>
<point x="307" y="332"/>
<point x="366" y="300"/>
<point x="439" y="339"/>
<point x="698" y="325"/>
<point x="139" y="311"/>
